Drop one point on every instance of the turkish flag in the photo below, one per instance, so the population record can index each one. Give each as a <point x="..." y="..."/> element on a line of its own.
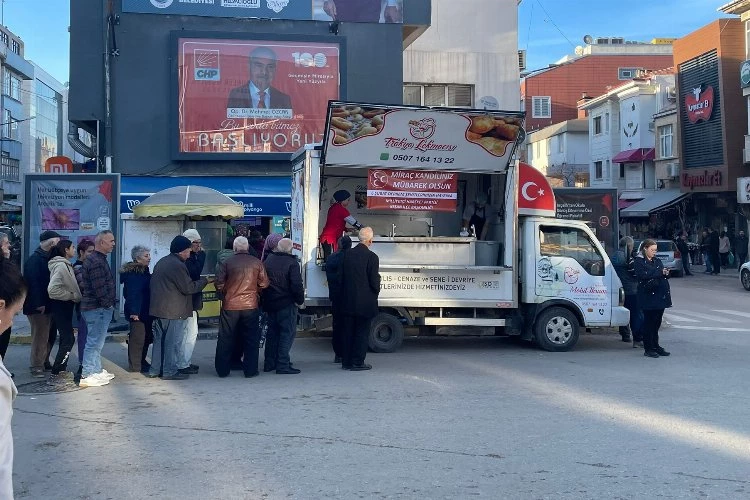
<point x="535" y="196"/>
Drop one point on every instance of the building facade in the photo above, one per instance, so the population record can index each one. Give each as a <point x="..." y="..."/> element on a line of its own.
<point x="550" y="95"/>
<point x="561" y="152"/>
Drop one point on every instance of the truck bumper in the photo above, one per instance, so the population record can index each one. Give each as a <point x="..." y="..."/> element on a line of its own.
<point x="620" y="316"/>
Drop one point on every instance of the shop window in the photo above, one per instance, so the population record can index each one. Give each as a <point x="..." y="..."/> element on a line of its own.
<point x="541" y="107"/>
<point x="598" y="174"/>
<point x="558" y="241"/>
<point x="597" y="125"/>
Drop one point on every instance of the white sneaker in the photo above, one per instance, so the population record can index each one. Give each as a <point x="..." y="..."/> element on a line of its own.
<point x="105" y="375"/>
<point x="92" y="381"/>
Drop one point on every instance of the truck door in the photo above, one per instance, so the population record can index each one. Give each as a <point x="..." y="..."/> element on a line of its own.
<point x="571" y="267"/>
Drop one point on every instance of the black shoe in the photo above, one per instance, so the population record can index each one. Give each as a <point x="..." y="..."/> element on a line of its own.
<point x="360" y="368"/>
<point x="337" y="359"/>
<point x="251" y="375"/>
<point x="145" y="366"/>
<point x="177" y="376"/>
<point x="651" y="354"/>
<point x="190" y="370"/>
<point x="288" y="371"/>
<point x="267" y="369"/>
<point x="661" y="352"/>
<point x="346" y="367"/>
<point x="47" y="366"/>
<point x="235" y="366"/>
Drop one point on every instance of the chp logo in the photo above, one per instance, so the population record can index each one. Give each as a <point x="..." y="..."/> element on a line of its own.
<point x="241" y="4"/>
<point x="277" y="5"/>
<point x="699" y="104"/>
<point x="206" y="65"/>
<point x="161" y="4"/>
<point x="422" y="129"/>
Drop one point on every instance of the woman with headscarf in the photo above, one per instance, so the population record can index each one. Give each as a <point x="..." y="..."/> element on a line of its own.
<point x="337" y="219"/>
<point x="270" y="245"/>
<point x="334" y="273"/>
<point x="653" y="296"/>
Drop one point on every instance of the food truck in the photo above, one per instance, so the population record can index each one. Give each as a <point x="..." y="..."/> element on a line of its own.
<point x="416" y="176"/>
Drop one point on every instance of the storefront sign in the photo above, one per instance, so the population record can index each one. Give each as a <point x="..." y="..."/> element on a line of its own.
<point x="252" y="96"/>
<point x="58" y="165"/>
<point x="707" y="178"/>
<point x="535" y="196"/>
<point x="699" y="103"/>
<point x="743" y="190"/>
<point x="412" y="190"/>
<point x="404" y="137"/>
<point x="745" y="74"/>
<point x="316" y="10"/>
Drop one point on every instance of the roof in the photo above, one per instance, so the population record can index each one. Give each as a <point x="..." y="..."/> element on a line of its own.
<point x="644" y="81"/>
<point x="653" y="203"/>
<point x="735" y="7"/>
<point x="578" y="125"/>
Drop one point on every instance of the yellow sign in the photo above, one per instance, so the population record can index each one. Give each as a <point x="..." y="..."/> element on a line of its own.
<point x="211" y="303"/>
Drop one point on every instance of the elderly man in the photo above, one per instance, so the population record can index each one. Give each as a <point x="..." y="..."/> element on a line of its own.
<point x="36" y="306"/>
<point x="194" y="263"/>
<point x="172" y="291"/>
<point x="97" y="305"/>
<point x="361" y="280"/>
<point x="280" y="300"/>
<point x="240" y="279"/>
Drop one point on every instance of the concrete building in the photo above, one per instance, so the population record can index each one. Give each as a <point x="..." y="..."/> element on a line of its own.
<point x="550" y="95"/>
<point x="43" y="138"/>
<point x="742" y="8"/>
<point x="668" y="146"/>
<point x="467" y="57"/>
<point x="561" y="152"/>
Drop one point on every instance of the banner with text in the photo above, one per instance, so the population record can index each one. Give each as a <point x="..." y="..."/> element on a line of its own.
<point x="401" y="137"/>
<point x="253" y="96"/>
<point x="412" y="190"/>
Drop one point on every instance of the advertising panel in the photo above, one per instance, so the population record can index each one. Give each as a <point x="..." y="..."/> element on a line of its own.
<point x="411" y="137"/>
<point x="358" y="11"/>
<point x="412" y="190"/>
<point x="76" y="206"/>
<point x="252" y="96"/>
<point x="743" y="190"/>
<point x="596" y="207"/>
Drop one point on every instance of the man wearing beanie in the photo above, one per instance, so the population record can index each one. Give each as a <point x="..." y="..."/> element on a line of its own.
<point x="194" y="264"/>
<point x="336" y="221"/>
<point x="172" y="292"/>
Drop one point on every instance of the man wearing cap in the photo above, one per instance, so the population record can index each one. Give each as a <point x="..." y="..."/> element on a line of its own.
<point x="336" y="221"/>
<point x="194" y="264"/>
<point x="36" y="305"/>
<point x="172" y="291"/>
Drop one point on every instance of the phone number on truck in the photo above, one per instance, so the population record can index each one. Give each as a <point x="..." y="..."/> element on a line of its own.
<point x="422" y="159"/>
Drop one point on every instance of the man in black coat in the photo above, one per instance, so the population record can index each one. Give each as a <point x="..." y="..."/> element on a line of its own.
<point x="740" y="247"/>
<point x="682" y="246"/>
<point x="361" y="286"/>
<point x="713" y="251"/>
<point x="334" y="275"/>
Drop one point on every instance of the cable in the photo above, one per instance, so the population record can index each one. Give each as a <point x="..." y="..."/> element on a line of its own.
<point x="528" y="32"/>
<point x="549" y="18"/>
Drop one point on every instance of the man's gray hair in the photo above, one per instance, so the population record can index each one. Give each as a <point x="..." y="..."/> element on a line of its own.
<point x="263" y="52"/>
<point x="285" y="245"/>
<point x="100" y="235"/>
<point x="366" y="234"/>
<point x="241" y="244"/>
<point x="139" y="251"/>
<point x="626" y="245"/>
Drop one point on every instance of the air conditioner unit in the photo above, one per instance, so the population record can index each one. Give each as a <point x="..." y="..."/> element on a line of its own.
<point x="522" y="60"/>
<point x="673" y="170"/>
<point x="617" y="41"/>
<point x="602" y="41"/>
<point x="671" y="93"/>
<point x="651" y="126"/>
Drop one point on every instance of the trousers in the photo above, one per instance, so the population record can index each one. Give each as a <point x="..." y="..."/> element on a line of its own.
<point x="355" y="337"/>
<point x="62" y="314"/>
<point x="169" y="335"/>
<point x="40" y="325"/>
<point x="139" y="338"/>
<point x="191" y="336"/>
<point x="245" y="324"/>
<point x="282" y="328"/>
<point x="651" y="324"/>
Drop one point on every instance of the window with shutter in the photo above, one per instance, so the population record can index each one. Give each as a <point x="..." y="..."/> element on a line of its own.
<point x="413" y="95"/>
<point x="460" y="95"/>
<point x="541" y="107"/>
<point x="434" y="95"/>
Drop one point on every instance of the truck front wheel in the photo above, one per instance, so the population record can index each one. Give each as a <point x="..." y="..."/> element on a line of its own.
<point x="386" y="333"/>
<point x="556" y="329"/>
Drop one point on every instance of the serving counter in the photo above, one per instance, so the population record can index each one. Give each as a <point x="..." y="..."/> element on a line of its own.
<point x="448" y="251"/>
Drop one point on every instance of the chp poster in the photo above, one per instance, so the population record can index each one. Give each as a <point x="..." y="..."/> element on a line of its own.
<point x="253" y="96"/>
<point x="76" y="206"/>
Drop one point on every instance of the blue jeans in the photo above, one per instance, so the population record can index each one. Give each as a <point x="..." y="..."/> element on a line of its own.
<point x="97" y="322"/>
<point x="191" y="336"/>
<point x="282" y="328"/>
<point x="169" y="337"/>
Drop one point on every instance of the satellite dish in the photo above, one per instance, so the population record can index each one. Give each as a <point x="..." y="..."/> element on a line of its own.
<point x="588" y="39"/>
<point x="579" y="51"/>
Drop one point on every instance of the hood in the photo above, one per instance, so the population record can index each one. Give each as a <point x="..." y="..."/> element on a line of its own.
<point x="57" y="262"/>
<point x="134" y="267"/>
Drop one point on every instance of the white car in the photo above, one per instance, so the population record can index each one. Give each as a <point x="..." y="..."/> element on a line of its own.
<point x="745" y="275"/>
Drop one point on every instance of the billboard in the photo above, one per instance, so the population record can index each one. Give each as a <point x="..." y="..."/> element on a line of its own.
<point x="239" y="96"/>
<point x="359" y="11"/>
<point x="412" y="190"/>
<point x="416" y="137"/>
<point x="596" y="207"/>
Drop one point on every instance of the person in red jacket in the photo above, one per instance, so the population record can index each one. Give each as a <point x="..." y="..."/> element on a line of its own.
<point x="336" y="221"/>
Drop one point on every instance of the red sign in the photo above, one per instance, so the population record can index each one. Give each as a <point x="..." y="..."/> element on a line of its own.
<point x="58" y="165"/>
<point x="699" y="104"/>
<point x="253" y="96"/>
<point x="535" y="196"/>
<point x="707" y="178"/>
<point x="417" y="190"/>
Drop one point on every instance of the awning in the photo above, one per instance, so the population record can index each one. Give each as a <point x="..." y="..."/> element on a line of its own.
<point x="634" y="155"/>
<point x="625" y="203"/>
<point x="189" y="201"/>
<point x="655" y="202"/>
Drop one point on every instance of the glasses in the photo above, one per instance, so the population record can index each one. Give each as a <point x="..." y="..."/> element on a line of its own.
<point x="197" y="242"/>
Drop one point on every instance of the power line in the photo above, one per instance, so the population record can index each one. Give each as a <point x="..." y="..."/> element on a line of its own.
<point x="549" y="18"/>
<point x="528" y="32"/>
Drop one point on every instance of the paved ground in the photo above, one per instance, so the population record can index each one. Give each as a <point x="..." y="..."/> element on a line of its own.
<point x="442" y="418"/>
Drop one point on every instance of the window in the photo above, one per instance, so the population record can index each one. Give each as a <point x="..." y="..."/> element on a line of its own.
<point x="665" y="141"/>
<point x="560" y="144"/>
<point x="598" y="170"/>
<point x="16" y="47"/>
<point x="541" y="107"/>
<point x="549" y="146"/>
<point x="597" y="125"/>
<point x="622" y="170"/>
<point x="747" y="39"/>
<point x="558" y="241"/>
<point x="439" y="95"/>
<point x="607" y="170"/>
<point x="10" y="126"/>
<point x="627" y="73"/>
<point x="9" y="167"/>
<point x="606" y="123"/>
<point x="11" y="85"/>
<point x="4" y="36"/>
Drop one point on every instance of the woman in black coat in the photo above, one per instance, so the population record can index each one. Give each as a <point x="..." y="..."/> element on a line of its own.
<point x="136" y="278"/>
<point x="653" y="296"/>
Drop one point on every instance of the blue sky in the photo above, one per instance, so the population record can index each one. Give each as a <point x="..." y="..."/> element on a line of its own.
<point x="640" y="20"/>
<point x="43" y="25"/>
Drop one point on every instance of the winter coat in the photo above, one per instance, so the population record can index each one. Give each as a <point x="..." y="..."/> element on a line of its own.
<point x="8" y="393"/>
<point x="713" y="242"/>
<point x="335" y="276"/>
<point x="240" y="279"/>
<point x="653" y="286"/>
<point x="222" y="257"/>
<point x="36" y="274"/>
<point x="136" y="281"/>
<point x="195" y="264"/>
<point x="62" y="282"/>
<point x="740" y="245"/>
<point x="724" y="244"/>
<point x="625" y="269"/>
<point x="172" y="289"/>
<point x="285" y="282"/>
<point x="361" y="282"/>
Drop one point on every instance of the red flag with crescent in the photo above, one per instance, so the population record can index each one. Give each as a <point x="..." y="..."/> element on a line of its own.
<point x="535" y="196"/>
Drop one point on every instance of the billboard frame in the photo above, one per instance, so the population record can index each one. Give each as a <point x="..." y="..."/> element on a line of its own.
<point x="174" y="92"/>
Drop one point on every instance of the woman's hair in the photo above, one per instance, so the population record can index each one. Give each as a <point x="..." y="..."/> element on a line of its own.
<point x="139" y="251"/>
<point x="626" y="245"/>
<point x="60" y="249"/>
<point x="12" y="284"/>
<point x="84" y="245"/>
<point x="646" y="243"/>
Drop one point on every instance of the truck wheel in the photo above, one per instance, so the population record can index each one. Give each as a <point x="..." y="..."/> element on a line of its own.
<point x="386" y="333"/>
<point x="556" y="329"/>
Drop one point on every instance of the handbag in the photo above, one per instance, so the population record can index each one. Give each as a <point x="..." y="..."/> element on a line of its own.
<point x="730" y="258"/>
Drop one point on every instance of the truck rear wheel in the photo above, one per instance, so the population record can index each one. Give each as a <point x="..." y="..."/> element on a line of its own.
<point x="556" y="329"/>
<point x="386" y="333"/>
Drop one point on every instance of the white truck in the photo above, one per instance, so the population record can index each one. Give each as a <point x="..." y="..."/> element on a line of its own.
<point x="413" y="172"/>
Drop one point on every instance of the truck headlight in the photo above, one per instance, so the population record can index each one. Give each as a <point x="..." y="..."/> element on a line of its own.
<point x="622" y="296"/>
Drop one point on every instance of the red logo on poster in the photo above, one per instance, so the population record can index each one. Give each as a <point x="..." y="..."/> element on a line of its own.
<point x="535" y="196"/>
<point x="422" y="129"/>
<point x="699" y="104"/>
<point x="412" y="190"/>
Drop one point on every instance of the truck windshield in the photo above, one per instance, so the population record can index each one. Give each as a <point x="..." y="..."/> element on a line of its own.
<point x="558" y="241"/>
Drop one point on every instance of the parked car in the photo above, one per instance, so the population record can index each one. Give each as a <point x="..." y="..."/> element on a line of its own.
<point x="666" y="251"/>
<point x="745" y="275"/>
